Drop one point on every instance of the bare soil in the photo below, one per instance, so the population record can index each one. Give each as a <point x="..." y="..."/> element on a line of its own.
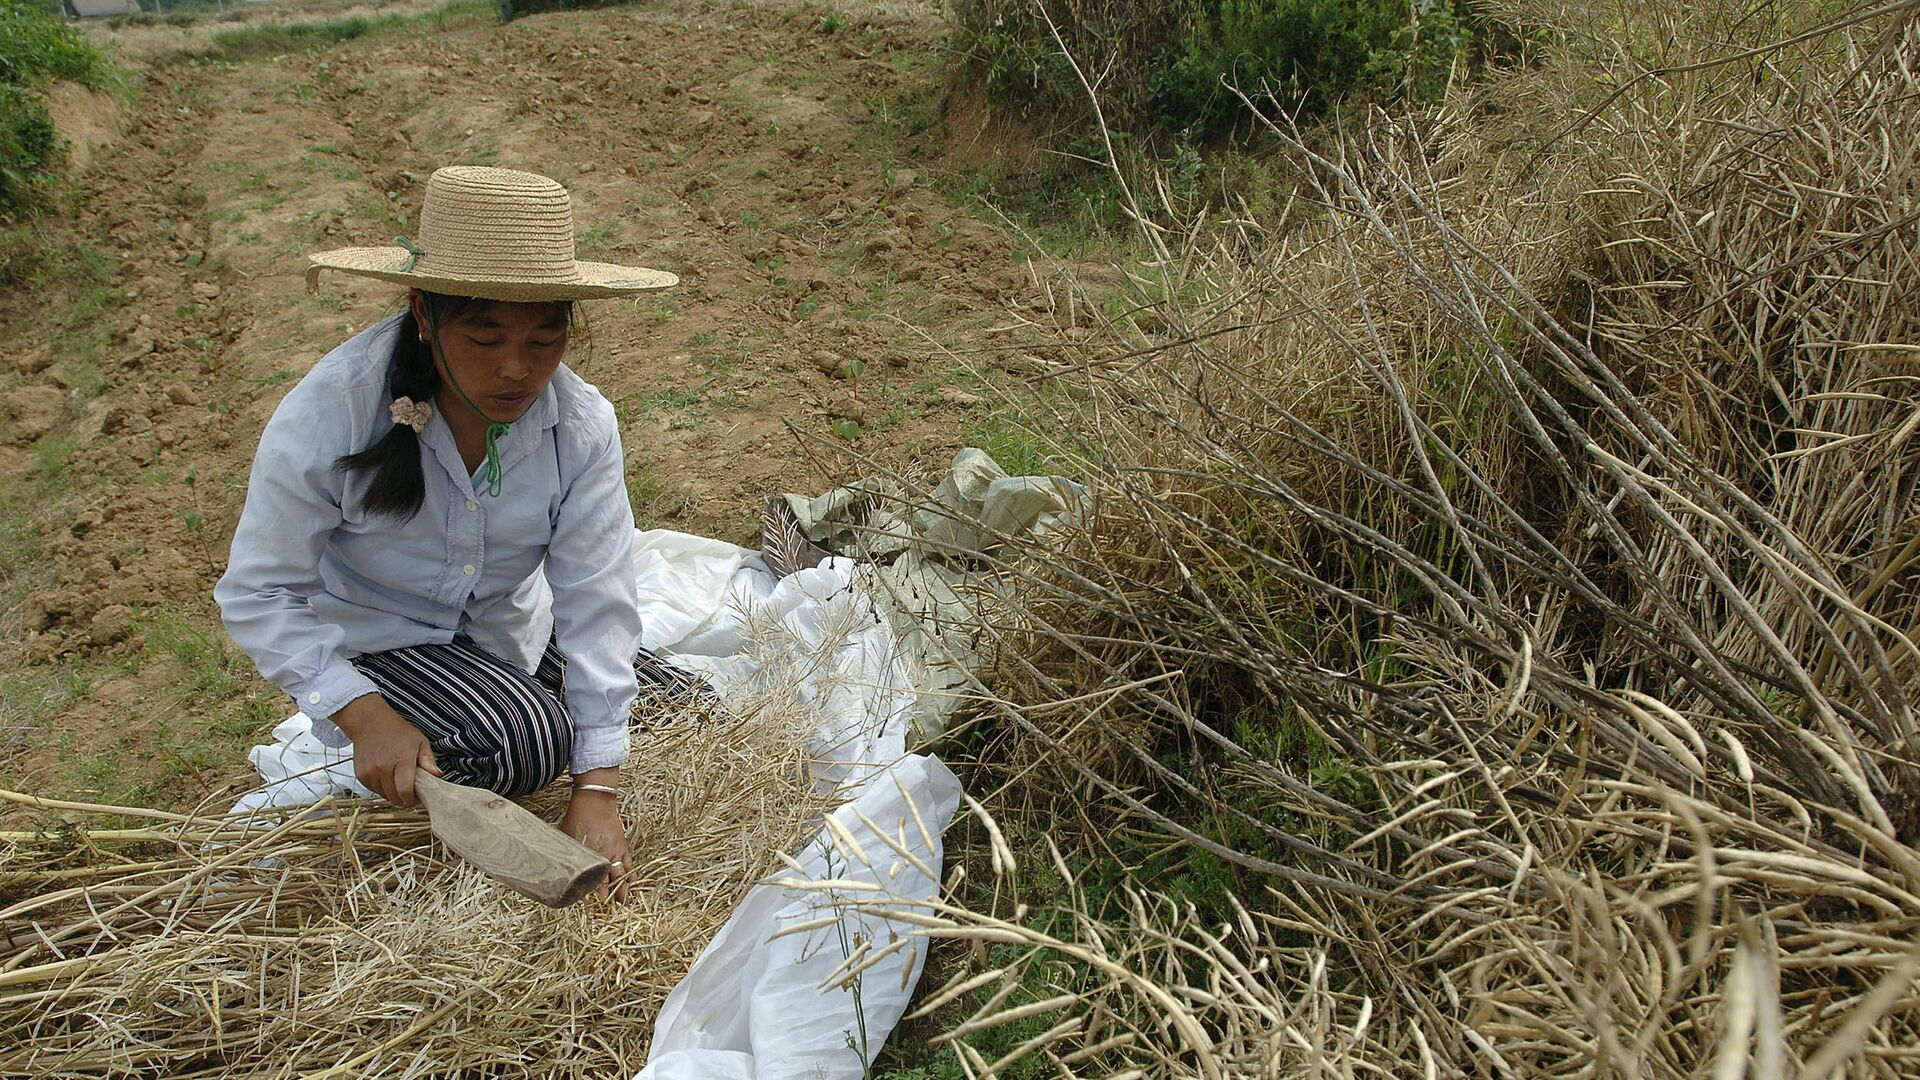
<point x="742" y="146"/>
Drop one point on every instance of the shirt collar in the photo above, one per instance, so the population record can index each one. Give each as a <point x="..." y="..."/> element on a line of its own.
<point x="522" y="438"/>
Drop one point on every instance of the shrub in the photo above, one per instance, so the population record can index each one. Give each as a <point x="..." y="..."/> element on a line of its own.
<point x="36" y="49"/>
<point x="513" y="9"/>
<point x="28" y="148"/>
<point x="1161" y="67"/>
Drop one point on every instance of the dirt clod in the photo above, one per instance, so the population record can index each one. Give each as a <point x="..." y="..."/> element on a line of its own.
<point x="110" y="624"/>
<point x="45" y="609"/>
<point x="33" y="411"/>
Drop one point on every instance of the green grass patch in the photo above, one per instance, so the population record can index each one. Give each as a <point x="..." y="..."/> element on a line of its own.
<point x="40" y="257"/>
<point x="30" y="699"/>
<point x="160" y="763"/>
<point x="37" y="47"/>
<point x="257" y="42"/>
<point x="20" y="547"/>
<point x="1163" y="68"/>
<point x="654" y="499"/>
<point x="219" y="708"/>
<point x="678" y="402"/>
<point x="1011" y="444"/>
<point x="211" y="667"/>
<point x="669" y="398"/>
<point x="594" y="240"/>
<point x="53" y="458"/>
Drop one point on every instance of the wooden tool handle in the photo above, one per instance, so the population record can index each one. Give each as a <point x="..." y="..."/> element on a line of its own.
<point x="509" y="844"/>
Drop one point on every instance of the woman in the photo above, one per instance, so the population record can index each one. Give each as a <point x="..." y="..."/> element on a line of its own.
<point x="434" y="555"/>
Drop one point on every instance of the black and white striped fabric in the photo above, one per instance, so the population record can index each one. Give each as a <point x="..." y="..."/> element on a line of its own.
<point x="490" y="724"/>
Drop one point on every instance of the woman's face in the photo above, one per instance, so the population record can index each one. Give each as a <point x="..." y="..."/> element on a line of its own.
<point x="502" y="354"/>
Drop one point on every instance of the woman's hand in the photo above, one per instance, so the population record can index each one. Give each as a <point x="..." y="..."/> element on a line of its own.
<point x="386" y="749"/>
<point x="593" y="818"/>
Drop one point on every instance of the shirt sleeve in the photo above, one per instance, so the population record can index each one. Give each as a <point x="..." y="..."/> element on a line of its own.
<point x="292" y="507"/>
<point x="596" y="603"/>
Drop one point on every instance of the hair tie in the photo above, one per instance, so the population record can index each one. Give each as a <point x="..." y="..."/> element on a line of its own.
<point x="410" y="413"/>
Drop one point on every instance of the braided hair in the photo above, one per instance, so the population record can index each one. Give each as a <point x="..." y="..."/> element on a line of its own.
<point x="399" y="485"/>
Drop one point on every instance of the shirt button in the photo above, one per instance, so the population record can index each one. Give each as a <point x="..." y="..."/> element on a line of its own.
<point x="467" y="569"/>
<point x="313" y="699"/>
<point x="471" y="505"/>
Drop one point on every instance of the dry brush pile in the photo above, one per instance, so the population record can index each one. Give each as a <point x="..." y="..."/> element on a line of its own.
<point x="1507" y="562"/>
<point x="340" y="940"/>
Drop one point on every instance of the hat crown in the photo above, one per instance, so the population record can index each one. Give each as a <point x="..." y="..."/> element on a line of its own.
<point x="485" y="223"/>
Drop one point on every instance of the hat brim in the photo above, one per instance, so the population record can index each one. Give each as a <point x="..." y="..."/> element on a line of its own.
<point x="589" y="281"/>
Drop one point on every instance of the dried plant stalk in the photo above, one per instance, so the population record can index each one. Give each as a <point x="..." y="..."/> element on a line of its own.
<point x="339" y="940"/>
<point x="1516" y="539"/>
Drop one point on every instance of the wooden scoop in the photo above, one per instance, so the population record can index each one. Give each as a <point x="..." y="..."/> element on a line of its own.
<point x="508" y="844"/>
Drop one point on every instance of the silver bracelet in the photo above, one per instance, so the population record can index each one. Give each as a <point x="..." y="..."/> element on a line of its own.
<point x="596" y="787"/>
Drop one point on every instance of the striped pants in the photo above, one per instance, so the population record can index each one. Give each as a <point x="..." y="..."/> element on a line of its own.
<point x="490" y="724"/>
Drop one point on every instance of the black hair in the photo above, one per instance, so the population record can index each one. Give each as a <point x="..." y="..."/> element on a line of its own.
<point x="399" y="484"/>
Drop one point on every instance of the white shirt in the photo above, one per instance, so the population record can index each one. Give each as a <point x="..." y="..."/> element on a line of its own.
<point x="314" y="581"/>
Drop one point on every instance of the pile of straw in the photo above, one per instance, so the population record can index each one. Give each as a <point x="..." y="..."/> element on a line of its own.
<point x="340" y="940"/>
<point x="1515" y="540"/>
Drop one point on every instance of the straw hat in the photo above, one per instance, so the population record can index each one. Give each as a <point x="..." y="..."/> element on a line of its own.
<point x="497" y="234"/>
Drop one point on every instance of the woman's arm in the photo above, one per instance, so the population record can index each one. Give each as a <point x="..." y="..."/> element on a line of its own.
<point x="386" y="748"/>
<point x="596" y="626"/>
<point x="596" y="602"/>
<point x="293" y="505"/>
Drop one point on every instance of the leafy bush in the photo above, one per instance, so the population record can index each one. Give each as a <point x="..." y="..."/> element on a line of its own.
<point x="28" y="145"/>
<point x="36" y="48"/>
<point x="1162" y="67"/>
<point x="513" y="9"/>
<point x="1308" y="53"/>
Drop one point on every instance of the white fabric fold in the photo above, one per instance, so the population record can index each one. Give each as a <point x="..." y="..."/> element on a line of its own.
<point x="753" y="1006"/>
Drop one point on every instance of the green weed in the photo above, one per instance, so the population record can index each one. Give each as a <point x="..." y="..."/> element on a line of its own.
<point x="671" y="397"/>
<point x="652" y="497"/>
<point x="212" y="668"/>
<point x="594" y="239"/>
<point x="1170" y="72"/>
<point x="53" y="457"/>
<point x="31" y="698"/>
<point x="1012" y="446"/>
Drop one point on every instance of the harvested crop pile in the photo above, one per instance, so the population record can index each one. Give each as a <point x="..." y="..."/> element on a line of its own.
<point x="339" y="940"/>
<point x="1505" y="583"/>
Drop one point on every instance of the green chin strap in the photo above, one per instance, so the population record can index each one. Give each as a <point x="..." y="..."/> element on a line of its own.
<point x="495" y="429"/>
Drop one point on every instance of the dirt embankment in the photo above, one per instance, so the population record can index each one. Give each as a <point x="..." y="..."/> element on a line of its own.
<point x="735" y="145"/>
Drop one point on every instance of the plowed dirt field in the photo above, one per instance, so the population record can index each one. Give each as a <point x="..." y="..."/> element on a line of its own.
<point x="829" y="295"/>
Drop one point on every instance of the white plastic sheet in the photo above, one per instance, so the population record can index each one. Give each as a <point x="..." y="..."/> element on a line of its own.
<point x="297" y="769"/>
<point x="753" y="1005"/>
